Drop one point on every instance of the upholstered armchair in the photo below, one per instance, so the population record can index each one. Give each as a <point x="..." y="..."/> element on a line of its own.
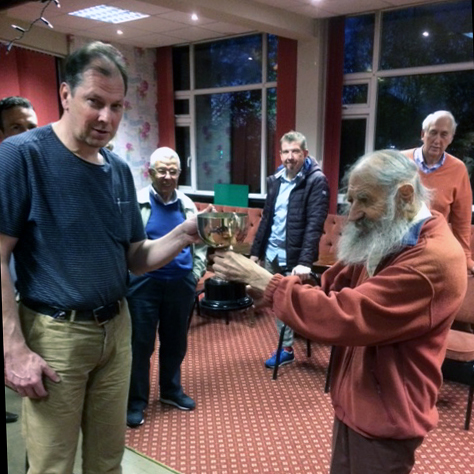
<point x="458" y="365"/>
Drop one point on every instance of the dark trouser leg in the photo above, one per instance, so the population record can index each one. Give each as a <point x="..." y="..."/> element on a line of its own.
<point x="143" y="301"/>
<point x="172" y="330"/>
<point x="353" y="453"/>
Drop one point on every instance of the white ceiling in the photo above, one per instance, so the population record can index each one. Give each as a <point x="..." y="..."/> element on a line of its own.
<point x="170" y="20"/>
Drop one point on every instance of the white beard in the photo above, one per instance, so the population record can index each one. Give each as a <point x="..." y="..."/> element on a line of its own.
<point x="368" y="242"/>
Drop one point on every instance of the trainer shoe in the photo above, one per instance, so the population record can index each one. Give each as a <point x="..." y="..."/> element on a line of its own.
<point x="179" y="400"/>
<point x="287" y="356"/>
<point x="135" y="418"/>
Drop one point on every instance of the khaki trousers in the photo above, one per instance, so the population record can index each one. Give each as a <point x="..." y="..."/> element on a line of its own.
<point x="94" y="365"/>
<point x="353" y="453"/>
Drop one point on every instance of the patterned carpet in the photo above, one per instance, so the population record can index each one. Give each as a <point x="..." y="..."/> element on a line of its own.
<point x="247" y="423"/>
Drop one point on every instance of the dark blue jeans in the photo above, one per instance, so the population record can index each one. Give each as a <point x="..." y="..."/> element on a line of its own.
<point x="164" y="306"/>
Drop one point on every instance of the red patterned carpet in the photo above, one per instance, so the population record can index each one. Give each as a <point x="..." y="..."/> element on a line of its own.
<point x="247" y="423"/>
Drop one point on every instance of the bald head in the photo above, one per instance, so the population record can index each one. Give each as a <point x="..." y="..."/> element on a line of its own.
<point x="165" y="168"/>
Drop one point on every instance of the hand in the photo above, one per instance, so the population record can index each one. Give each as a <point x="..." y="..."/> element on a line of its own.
<point x="236" y="267"/>
<point x="302" y="271"/>
<point x="24" y="373"/>
<point x="189" y="226"/>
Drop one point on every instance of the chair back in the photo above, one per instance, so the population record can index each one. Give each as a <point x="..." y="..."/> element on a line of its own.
<point x="466" y="311"/>
<point x="328" y="242"/>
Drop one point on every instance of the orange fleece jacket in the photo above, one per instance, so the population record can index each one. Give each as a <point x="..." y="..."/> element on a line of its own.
<point x="452" y="196"/>
<point x="390" y="330"/>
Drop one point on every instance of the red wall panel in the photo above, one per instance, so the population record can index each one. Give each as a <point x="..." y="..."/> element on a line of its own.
<point x="32" y="75"/>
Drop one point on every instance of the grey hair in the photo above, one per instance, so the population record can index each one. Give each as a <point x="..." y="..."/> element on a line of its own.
<point x="430" y="119"/>
<point x="164" y="152"/>
<point x="293" y="136"/>
<point x="391" y="169"/>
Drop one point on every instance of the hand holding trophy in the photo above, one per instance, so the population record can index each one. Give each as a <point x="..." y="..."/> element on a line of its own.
<point x="223" y="230"/>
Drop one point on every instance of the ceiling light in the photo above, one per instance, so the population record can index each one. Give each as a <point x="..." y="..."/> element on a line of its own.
<point x="426" y="34"/>
<point x="119" y="32"/>
<point x="108" y="14"/>
<point x="194" y="17"/>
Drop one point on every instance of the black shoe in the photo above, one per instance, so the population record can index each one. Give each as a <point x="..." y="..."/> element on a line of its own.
<point x="181" y="401"/>
<point x="11" y="417"/>
<point x="135" y="418"/>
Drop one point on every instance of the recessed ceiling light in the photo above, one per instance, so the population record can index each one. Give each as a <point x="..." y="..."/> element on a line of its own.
<point x="119" y="32"/>
<point x="194" y="17"/>
<point x="426" y="34"/>
<point x="108" y="14"/>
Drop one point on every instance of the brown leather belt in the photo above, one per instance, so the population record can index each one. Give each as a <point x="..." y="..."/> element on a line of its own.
<point x="100" y="315"/>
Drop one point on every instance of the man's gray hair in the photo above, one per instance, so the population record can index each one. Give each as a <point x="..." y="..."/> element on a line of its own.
<point x="437" y="115"/>
<point x="391" y="169"/>
<point x="166" y="153"/>
<point x="293" y="136"/>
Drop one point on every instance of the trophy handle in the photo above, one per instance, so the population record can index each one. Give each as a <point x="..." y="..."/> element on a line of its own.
<point x="235" y="223"/>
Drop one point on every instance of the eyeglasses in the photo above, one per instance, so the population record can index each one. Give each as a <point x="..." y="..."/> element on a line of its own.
<point x="162" y="172"/>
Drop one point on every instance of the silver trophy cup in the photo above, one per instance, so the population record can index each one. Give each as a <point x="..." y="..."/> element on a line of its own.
<point x="223" y="230"/>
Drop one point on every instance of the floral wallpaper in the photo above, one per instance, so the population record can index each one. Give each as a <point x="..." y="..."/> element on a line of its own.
<point x="137" y="136"/>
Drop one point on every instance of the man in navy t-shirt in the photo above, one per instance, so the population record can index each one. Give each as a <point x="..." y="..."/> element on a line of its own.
<point x="70" y="217"/>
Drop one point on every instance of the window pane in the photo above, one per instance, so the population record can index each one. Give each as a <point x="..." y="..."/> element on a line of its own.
<point x="427" y="35"/>
<point x="355" y="94"/>
<point x="358" y="43"/>
<point x="408" y="100"/>
<point x="183" y="148"/>
<point x="232" y="62"/>
<point x="181" y="73"/>
<point x="353" y="133"/>
<point x="181" y="107"/>
<point x="228" y="139"/>
<point x="272" y="58"/>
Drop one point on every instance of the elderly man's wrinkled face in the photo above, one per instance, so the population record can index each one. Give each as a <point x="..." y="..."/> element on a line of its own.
<point x="376" y="224"/>
<point x="367" y="201"/>
<point x="165" y="175"/>
<point x="436" y="139"/>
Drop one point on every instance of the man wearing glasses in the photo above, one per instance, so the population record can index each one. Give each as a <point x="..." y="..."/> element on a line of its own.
<point x="161" y="300"/>
<point x="287" y="240"/>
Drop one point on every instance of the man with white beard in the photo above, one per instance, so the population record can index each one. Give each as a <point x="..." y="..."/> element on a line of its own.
<point x="387" y="305"/>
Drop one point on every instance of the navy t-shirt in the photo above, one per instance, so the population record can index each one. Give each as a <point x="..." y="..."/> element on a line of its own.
<point x="74" y="220"/>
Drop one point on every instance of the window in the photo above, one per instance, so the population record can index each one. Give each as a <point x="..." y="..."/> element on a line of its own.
<point x="225" y="106"/>
<point x="427" y="35"/>
<point x="232" y="62"/>
<point x="408" y="100"/>
<point x="425" y="63"/>
<point x="359" y="43"/>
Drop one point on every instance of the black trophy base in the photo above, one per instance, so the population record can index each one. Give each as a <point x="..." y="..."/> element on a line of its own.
<point x="223" y="295"/>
